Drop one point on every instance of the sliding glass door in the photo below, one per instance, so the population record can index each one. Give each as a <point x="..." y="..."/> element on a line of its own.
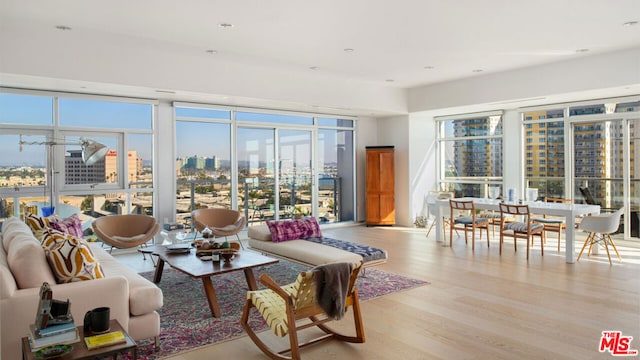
<point x="275" y="179"/>
<point x="295" y="177"/>
<point x="256" y="173"/>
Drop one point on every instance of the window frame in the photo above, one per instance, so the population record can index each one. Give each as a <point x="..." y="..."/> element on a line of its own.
<point x="441" y="139"/>
<point x="56" y="132"/>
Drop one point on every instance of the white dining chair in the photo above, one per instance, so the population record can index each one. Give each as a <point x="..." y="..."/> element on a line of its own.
<point x="432" y="204"/>
<point x="599" y="229"/>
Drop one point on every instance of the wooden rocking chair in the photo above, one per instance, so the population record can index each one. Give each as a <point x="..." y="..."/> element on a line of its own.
<point x="292" y="304"/>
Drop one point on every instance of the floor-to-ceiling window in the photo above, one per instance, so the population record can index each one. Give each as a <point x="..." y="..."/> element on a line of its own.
<point x="203" y="159"/>
<point x="604" y="155"/>
<point x="283" y="164"/>
<point x="544" y="152"/>
<point x="256" y="173"/>
<point x="470" y="153"/>
<point x="585" y="152"/>
<point x="43" y="165"/>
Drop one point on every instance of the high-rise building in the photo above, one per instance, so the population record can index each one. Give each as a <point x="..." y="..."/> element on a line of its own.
<point x="105" y="170"/>
<point x="77" y="172"/>
<point x="478" y="157"/>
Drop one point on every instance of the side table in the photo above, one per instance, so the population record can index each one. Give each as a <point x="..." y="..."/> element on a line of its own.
<point x="80" y="351"/>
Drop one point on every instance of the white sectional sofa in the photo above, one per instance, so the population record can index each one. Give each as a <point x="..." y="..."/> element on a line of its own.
<point x="23" y="267"/>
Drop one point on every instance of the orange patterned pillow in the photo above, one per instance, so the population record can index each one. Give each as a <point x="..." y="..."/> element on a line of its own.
<point x="72" y="260"/>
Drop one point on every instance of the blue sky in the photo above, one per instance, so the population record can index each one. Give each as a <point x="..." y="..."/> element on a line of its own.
<point x="194" y="138"/>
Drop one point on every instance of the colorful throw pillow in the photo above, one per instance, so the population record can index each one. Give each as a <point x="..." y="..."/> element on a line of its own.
<point x="71" y="225"/>
<point x="294" y="229"/>
<point x="314" y="227"/>
<point x="51" y="238"/>
<point x="38" y="223"/>
<point x="72" y="260"/>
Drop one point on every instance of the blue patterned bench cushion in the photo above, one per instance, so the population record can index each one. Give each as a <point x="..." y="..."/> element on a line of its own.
<point x="368" y="253"/>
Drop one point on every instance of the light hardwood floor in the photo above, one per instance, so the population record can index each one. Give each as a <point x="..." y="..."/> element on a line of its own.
<point x="478" y="305"/>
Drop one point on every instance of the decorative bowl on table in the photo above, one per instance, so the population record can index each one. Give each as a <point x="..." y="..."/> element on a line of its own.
<point x="227" y="254"/>
<point x="53" y="351"/>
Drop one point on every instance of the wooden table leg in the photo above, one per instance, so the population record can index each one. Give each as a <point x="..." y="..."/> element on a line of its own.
<point x="158" y="274"/>
<point x="211" y="296"/>
<point x="251" y="279"/>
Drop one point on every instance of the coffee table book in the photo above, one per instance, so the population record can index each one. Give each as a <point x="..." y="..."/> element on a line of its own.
<point x="38" y="342"/>
<point x="56" y="329"/>
<point x="102" y="340"/>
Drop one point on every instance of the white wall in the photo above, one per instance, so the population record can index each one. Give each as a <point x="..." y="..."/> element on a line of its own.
<point x="422" y="161"/>
<point x="597" y="76"/>
<point x="366" y="135"/>
<point x="395" y="131"/>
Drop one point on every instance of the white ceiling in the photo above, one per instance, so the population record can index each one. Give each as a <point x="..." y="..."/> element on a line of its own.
<point x="401" y="44"/>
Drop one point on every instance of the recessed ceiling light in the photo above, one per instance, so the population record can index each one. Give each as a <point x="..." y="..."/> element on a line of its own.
<point x="429" y="67"/>
<point x="225" y="25"/>
<point x="630" y="23"/>
<point x="313" y="68"/>
<point x="582" y="50"/>
<point x="211" y="51"/>
<point x="63" y="27"/>
<point x="349" y="50"/>
<point x="477" y="70"/>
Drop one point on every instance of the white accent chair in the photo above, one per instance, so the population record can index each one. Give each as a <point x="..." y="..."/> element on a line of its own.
<point x="599" y="229"/>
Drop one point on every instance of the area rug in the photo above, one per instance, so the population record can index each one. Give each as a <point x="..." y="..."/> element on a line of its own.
<point x="186" y="322"/>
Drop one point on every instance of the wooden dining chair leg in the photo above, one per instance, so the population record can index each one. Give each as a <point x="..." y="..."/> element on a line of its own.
<point x="487" y="231"/>
<point x="606" y="247"/>
<point x="586" y="241"/>
<point x="473" y="238"/>
<point x="615" y="248"/>
<point x="593" y="241"/>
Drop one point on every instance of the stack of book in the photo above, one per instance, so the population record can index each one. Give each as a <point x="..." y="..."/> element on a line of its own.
<point x="65" y="333"/>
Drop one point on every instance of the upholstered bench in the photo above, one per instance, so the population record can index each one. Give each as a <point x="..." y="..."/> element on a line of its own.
<point x="316" y="250"/>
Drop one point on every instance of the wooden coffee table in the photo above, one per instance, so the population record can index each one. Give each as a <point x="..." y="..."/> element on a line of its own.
<point x="191" y="265"/>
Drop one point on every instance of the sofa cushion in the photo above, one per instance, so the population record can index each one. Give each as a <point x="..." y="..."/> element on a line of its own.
<point x="72" y="260"/>
<point x="71" y="225"/>
<point x="10" y="228"/>
<point x="27" y="262"/>
<point x="144" y="296"/>
<point x="259" y="232"/>
<point x="294" y="229"/>
<point x="305" y="251"/>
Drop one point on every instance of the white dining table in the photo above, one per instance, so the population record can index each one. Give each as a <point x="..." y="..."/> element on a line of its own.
<point x="569" y="211"/>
